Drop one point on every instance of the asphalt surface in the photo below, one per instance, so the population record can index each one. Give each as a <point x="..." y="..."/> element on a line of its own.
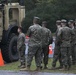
<point x="2" y="72"/>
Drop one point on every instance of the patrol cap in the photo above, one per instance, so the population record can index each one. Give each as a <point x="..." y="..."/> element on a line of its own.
<point x="58" y="21"/>
<point x="71" y="21"/>
<point x="36" y="18"/>
<point x="63" y="21"/>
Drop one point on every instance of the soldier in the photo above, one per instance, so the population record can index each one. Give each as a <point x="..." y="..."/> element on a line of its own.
<point x="35" y="44"/>
<point x="21" y="47"/>
<point x="75" y="42"/>
<point x="71" y="25"/>
<point x="57" y="53"/>
<point x="65" y="35"/>
<point x="46" y="40"/>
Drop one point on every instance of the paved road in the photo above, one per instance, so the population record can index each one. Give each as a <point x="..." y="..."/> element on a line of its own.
<point x="29" y="73"/>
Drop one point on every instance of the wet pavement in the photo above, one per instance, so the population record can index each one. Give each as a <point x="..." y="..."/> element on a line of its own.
<point x="2" y="72"/>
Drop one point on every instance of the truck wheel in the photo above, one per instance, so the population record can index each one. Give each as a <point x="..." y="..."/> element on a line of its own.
<point x="10" y="52"/>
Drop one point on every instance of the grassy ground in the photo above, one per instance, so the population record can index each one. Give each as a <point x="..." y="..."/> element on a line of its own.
<point x="14" y="67"/>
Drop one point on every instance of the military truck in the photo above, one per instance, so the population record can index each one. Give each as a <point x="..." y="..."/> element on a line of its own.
<point x="11" y="16"/>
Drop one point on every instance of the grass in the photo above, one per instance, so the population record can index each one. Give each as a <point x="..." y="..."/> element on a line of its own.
<point x="14" y="67"/>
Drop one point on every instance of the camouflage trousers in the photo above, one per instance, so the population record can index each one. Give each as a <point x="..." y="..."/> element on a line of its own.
<point x="57" y="56"/>
<point x="73" y="49"/>
<point x="34" y="51"/>
<point x="22" y="55"/>
<point x="45" y="53"/>
<point x="65" y="56"/>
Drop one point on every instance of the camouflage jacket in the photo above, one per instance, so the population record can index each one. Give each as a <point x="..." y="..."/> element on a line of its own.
<point x="65" y="35"/>
<point x="35" y="34"/>
<point x="46" y="36"/>
<point x="57" y="40"/>
<point x="20" y="41"/>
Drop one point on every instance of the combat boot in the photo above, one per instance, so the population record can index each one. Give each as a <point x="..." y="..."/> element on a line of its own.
<point x="68" y="67"/>
<point x="25" y="69"/>
<point x="64" y="68"/>
<point x="21" y="66"/>
<point x="45" y="67"/>
<point x="41" y="67"/>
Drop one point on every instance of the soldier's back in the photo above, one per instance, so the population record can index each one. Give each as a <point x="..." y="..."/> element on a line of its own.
<point x="35" y="37"/>
<point x="45" y="36"/>
<point x="65" y="36"/>
<point x="66" y="33"/>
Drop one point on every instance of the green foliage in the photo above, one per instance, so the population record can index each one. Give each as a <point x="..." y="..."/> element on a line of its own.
<point x="65" y="8"/>
<point x="30" y="4"/>
<point x="49" y="10"/>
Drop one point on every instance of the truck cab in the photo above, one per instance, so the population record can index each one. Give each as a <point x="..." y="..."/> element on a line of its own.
<point x="11" y="16"/>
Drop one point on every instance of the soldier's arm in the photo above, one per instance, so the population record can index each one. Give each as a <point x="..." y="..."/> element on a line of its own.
<point x="29" y="32"/>
<point x="59" y="32"/>
<point x="59" y="36"/>
<point x="50" y="37"/>
<point x="73" y="34"/>
<point x="41" y="34"/>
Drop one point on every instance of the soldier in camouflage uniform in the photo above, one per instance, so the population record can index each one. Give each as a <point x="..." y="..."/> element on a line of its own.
<point x="46" y="40"/>
<point x="71" y="25"/>
<point x="75" y="41"/>
<point x="21" y="47"/>
<point x="35" y="44"/>
<point x="65" y="35"/>
<point x="57" y="53"/>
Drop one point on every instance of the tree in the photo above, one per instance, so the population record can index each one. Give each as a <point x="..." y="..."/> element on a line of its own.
<point x="30" y="4"/>
<point x="40" y="11"/>
<point x="50" y="10"/>
<point x="65" y="8"/>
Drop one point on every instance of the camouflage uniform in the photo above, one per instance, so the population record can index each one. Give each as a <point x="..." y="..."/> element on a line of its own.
<point x="72" y="49"/>
<point x="21" y="48"/>
<point x="35" y="45"/>
<point x="57" y="52"/>
<point x="71" y="25"/>
<point x="65" y="35"/>
<point x="46" y="36"/>
<point x="74" y="42"/>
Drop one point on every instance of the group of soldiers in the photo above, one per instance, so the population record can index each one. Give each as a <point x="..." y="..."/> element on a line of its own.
<point x="39" y="41"/>
<point x="65" y="44"/>
<point x="38" y="46"/>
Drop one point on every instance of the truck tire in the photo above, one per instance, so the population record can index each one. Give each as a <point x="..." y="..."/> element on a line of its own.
<point x="9" y="51"/>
